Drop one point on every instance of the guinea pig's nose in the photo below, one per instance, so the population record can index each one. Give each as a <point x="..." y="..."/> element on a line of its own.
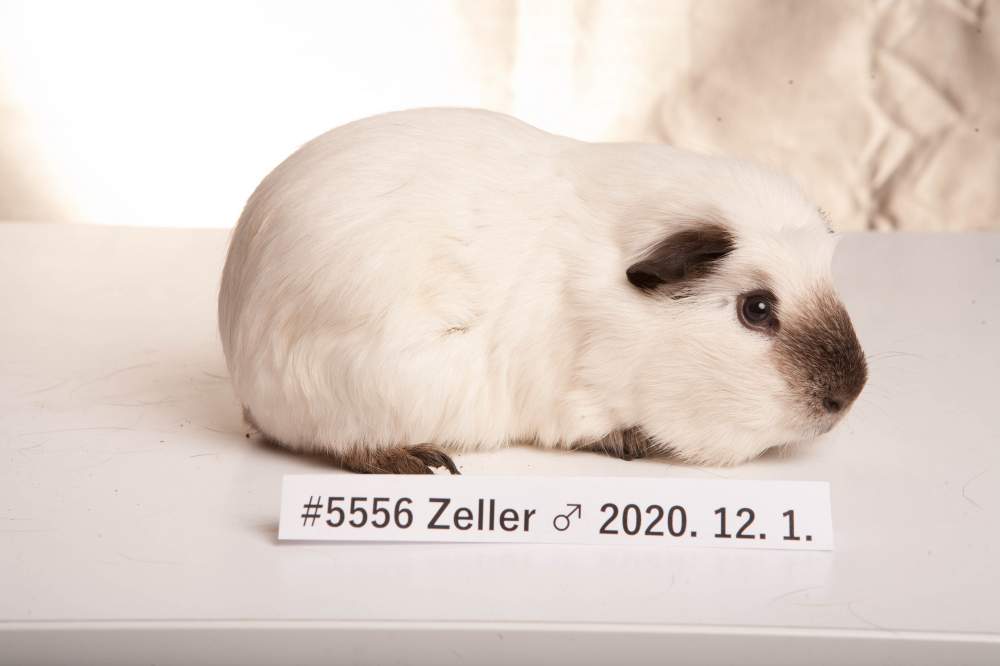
<point x="839" y="398"/>
<point x="832" y="404"/>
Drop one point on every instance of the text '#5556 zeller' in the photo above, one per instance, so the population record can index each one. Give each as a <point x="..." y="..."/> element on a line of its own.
<point x="583" y="510"/>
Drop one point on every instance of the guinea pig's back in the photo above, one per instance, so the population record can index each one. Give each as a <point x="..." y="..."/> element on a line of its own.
<point x="388" y="279"/>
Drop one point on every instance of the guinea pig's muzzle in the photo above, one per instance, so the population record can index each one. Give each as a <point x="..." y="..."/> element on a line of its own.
<point x="822" y="361"/>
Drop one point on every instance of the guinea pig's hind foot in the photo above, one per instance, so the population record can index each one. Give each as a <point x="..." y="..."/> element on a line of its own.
<point x="418" y="459"/>
<point x="627" y="444"/>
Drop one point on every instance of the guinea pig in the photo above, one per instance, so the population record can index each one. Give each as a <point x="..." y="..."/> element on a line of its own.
<point x="443" y="280"/>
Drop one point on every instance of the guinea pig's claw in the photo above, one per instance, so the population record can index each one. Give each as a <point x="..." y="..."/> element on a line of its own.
<point x="627" y="444"/>
<point x="417" y="459"/>
<point x="432" y="457"/>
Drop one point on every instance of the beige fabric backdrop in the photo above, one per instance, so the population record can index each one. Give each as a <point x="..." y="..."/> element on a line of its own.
<point x="887" y="112"/>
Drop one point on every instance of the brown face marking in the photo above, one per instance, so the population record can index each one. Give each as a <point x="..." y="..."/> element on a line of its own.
<point x="682" y="257"/>
<point x="818" y="351"/>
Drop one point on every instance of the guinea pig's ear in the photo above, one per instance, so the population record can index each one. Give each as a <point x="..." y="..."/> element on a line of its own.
<point x="682" y="256"/>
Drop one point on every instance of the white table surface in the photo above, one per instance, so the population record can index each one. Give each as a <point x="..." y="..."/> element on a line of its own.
<point x="136" y="521"/>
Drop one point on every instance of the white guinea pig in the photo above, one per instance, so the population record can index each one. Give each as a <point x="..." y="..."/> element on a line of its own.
<point x="453" y="279"/>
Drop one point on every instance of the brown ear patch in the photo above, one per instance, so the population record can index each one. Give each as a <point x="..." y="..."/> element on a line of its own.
<point x="818" y="351"/>
<point x="682" y="257"/>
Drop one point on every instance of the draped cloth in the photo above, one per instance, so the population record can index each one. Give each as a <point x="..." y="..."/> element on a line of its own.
<point x="887" y="113"/>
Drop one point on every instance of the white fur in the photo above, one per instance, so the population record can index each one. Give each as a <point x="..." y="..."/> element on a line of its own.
<point x="458" y="277"/>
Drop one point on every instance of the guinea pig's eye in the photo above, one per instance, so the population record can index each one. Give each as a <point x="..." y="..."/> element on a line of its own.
<point x="757" y="311"/>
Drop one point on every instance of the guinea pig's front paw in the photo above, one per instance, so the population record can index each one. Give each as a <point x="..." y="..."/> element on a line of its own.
<point x="418" y="459"/>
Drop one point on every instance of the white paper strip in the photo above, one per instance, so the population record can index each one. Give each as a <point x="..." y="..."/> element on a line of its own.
<point x="583" y="510"/>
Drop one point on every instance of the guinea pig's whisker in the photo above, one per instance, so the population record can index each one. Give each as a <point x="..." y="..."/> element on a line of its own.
<point x="860" y="410"/>
<point x="879" y="356"/>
